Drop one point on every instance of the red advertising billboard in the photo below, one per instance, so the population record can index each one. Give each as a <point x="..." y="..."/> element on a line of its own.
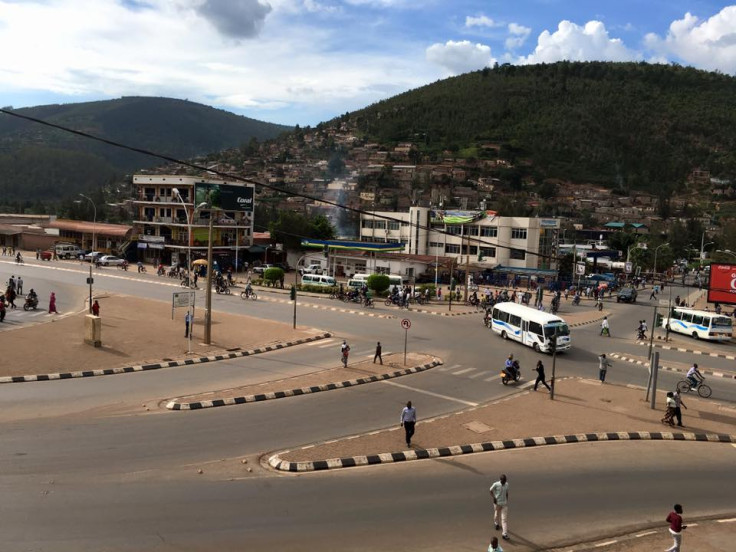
<point x="722" y="286"/>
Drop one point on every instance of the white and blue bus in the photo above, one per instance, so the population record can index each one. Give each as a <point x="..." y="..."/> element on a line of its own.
<point x="699" y="324"/>
<point x="530" y="327"/>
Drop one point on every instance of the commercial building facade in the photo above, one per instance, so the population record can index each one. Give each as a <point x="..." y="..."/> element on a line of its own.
<point x="161" y="218"/>
<point x="479" y="237"/>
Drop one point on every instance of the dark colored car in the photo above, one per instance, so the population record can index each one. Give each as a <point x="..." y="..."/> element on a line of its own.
<point x="47" y="255"/>
<point x="283" y="266"/>
<point x="627" y="295"/>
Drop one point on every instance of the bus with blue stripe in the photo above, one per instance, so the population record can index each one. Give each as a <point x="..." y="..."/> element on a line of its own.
<point x="529" y="326"/>
<point x="699" y="324"/>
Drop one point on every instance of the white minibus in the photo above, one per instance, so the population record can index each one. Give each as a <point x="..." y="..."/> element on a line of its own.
<point x="318" y="280"/>
<point x="699" y="324"/>
<point x="529" y="326"/>
<point x="357" y="281"/>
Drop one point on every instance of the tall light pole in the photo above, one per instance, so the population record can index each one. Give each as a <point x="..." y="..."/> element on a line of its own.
<point x="702" y="248"/>
<point x="656" y="250"/>
<point x="175" y="192"/>
<point x="727" y="251"/>
<point x="94" y="221"/>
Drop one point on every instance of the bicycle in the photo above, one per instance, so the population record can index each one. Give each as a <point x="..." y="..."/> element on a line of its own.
<point x="248" y="295"/>
<point x="685" y="386"/>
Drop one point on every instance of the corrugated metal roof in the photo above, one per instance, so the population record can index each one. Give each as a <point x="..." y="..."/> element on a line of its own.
<point x="86" y="227"/>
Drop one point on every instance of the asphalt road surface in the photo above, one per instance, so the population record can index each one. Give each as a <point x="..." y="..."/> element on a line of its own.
<point x="86" y="467"/>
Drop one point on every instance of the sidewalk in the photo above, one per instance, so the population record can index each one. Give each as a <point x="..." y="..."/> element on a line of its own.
<point x="134" y="331"/>
<point x="581" y="406"/>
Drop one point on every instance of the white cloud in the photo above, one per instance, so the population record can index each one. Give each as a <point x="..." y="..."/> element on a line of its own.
<point x="575" y="43"/>
<point x="519" y="34"/>
<point x="709" y="44"/>
<point x="479" y="21"/>
<point x="460" y="57"/>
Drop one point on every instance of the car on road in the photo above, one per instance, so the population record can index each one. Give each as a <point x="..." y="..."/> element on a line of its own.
<point x="311" y="269"/>
<point x="261" y="269"/>
<point x="110" y="260"/>
<point x="47" y="255"/>
<point x="627" y="295"/>
<point x="92" y="256"/>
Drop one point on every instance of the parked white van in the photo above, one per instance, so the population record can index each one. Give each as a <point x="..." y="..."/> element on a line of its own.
<point x="67" y="251"/>
<point x="318" y="280"/>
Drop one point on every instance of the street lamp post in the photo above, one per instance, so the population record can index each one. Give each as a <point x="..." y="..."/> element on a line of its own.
<point x="296" y="282"/>
<point x="656" y="250"/>
<point x="702" y="247"/>
<point x="175" y="192"/>
<point x="94" y="221"/>
<point x="727" y="251"/>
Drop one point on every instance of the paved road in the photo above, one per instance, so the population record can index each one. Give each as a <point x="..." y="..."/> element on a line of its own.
<point x="124" y="478"/>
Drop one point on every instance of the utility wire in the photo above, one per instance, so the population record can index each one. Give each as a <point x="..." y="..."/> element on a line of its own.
<point x="229" y="176"/>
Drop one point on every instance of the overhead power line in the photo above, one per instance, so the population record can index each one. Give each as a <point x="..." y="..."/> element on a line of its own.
<point x="229" y="176"/>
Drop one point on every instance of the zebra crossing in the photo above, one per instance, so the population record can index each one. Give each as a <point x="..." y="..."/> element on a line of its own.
<point x="458" y="370"/>
<point x="19" y="317"/>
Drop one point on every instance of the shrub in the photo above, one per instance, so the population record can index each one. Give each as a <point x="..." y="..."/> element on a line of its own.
<point x="273" y="275"/>
<point x="378" y="282"/>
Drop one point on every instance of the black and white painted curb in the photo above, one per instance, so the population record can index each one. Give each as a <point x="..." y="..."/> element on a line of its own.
<point x="368" y="313"/>
<point x="640" y="362"/>
<point x="158" y="366"/>
<point x="277" y="463"/>
<point x="683" y="350"/>
<point x="601" y="317"/>
<point x="174" y="405"/>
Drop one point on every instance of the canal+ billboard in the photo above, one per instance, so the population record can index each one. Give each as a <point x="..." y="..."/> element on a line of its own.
<point x="722" y="285"/>
<point x="227" y="197"/>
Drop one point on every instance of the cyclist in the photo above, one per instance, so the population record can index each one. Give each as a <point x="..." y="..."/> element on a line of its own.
<point x="695" y="377"/>
<point x="248" y="289"/>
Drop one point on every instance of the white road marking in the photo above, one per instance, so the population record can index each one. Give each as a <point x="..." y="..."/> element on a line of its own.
<point x="479" y="374"/>
<point x="729" y="520"/>
<point x="645" y="534"/>
<point x="496" y="377"/>
<point x="430" y="393"/>
<point x="465" y="371"/>
<point x="320" y="343"/>
<point x="607" y="543"/>
<point x="448" y="367"/>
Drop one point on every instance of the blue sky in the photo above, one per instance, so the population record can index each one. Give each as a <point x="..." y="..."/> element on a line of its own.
<point x="305" y="61"/>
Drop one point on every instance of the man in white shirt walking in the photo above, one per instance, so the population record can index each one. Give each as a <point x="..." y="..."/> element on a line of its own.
<point x="408" y="421"/>
<point x="500" y="496"/>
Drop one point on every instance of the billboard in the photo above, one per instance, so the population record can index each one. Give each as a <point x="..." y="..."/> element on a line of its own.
<point x="722" y="285"/>
<point x="224" y="196"/>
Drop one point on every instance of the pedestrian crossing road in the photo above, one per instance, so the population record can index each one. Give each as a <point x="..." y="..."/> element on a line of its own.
<point x="15" y="318"/>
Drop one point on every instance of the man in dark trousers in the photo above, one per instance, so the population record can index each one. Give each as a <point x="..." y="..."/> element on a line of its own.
<point x="540" y="376"/>
<point x="679" y="405"/>
<point x="187" y="323"/>
<point x="408" y="421"/>
<point x="378" y="354"/>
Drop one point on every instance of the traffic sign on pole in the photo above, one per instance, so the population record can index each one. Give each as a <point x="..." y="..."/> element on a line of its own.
<point x="406" y="324"/>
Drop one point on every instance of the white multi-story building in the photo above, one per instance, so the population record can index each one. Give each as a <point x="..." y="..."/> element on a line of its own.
<point x="161" y="219"/>
<point x="479" y="237"/>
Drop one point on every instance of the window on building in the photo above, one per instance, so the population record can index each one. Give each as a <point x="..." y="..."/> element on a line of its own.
<point x="489" y="231"/>
<point x="394" y="225"/>
<point x="473" y="250"/>
<point x="517" y="254"/>
<point x="378" y="240"/>
<point x="518" y="233"/>
<point x="436" y="245"/>
<point x="471" y="230"/>
<point x="367" y="223"/>
<point x="452" y="248"/>
<point x="404" y="223"/>
<point x="393" y="240"/>
<point x="454" y="230"/>
<point x="380" y="224"/>
<point x="488" y="251"/>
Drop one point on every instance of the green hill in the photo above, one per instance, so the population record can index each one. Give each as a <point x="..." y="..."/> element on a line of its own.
<point x="627" y="125"/>
<point x="41" y="163"/>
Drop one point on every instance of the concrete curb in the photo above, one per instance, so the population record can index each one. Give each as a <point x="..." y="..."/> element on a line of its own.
<point x="423" y="311"/>
<point x="158" y="366"/>
<point x="602" y="316"/>
<point x="368" y="313"/>
<point x="277" y="463"/>
<point x="682" y="350"/>
<point x="670" y="368"/>
<point x="174" y="405"/>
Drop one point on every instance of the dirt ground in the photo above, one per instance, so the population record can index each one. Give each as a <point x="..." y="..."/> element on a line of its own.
<point x="134" y="331"/>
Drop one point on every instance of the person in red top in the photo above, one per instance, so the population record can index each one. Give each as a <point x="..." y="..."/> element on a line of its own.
<point x="675" y="520"/>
